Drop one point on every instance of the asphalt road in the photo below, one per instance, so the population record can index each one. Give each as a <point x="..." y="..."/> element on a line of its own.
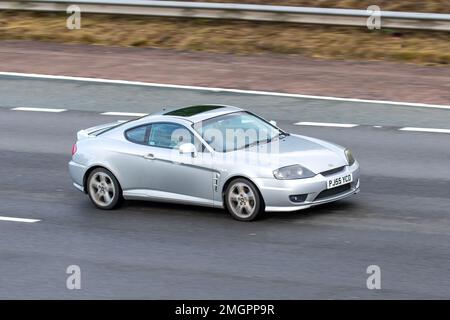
<point x="400" y="221"/>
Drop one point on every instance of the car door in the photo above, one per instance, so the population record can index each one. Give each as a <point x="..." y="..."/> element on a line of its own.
<point x="130" y="160"/>
<point x="180" y="177"/>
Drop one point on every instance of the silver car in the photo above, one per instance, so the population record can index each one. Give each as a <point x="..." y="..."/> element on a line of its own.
<point x="210" y="155"/>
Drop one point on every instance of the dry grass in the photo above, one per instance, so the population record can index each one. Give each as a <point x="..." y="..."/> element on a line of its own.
<point x="437" y="6"/>
<point x="232" y="36"/>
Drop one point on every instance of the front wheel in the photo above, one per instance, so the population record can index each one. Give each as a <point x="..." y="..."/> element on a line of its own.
<point x="104" y="189"/>
<point x="243" y="200"/>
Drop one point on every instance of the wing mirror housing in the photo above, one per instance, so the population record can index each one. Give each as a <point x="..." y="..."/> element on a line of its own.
<point x="188" y="148"/>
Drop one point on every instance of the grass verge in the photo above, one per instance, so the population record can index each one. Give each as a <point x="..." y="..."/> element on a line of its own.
<point x="326" y="42"/>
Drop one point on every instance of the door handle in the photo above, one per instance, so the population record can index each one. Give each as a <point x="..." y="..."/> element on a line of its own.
<point x="149" y="156"/>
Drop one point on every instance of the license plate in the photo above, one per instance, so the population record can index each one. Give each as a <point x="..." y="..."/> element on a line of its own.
<point x="339" y="181"/>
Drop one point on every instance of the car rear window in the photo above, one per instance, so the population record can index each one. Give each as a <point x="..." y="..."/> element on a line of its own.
<point x="138" y="134"/>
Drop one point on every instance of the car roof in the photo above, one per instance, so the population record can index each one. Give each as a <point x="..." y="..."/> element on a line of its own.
<point x="198" y="113"/>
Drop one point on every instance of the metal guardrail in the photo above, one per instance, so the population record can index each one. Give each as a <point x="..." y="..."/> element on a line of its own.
<point x="328" y="16"/>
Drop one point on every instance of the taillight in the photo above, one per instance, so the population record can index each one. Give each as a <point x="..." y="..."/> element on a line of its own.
<point x="74" y="149"/>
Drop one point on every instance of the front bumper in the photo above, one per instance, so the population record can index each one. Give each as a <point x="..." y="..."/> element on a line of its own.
<point x="276" y="192"/>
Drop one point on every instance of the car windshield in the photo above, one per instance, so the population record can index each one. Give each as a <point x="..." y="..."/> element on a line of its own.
<point x="237" y="130"/>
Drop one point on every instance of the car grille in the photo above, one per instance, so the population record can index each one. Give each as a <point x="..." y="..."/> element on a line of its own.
<point x="334" y="192"/>
<point x="332" y="171"/>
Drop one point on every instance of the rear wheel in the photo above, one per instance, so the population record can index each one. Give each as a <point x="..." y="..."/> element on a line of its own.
<point x="243" y="200"/>
<point x="104" y="189"/>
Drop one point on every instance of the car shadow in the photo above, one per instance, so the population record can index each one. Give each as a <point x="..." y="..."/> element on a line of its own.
<point x="166" y="207"/>
<point x="327" y="209"/>
<point x="339" y="207"/>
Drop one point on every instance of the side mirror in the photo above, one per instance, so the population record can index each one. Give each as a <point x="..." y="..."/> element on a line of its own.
<point x="273" y="122"/>
<point x="188" y="148"/>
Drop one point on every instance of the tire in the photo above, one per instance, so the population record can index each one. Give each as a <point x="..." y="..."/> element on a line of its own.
<point x="243" y="200"/>
<point x="104" y="189"/>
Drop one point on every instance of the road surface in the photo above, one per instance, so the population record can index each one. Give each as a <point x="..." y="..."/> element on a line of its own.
<point x="400" y="221"/>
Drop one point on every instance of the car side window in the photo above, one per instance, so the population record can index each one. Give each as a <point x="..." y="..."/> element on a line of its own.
<point x="139" y="134"/>
<point x="169" y="135"/>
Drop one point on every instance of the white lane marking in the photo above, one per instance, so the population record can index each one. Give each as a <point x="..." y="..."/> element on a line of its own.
<point x="125" y="114"/>
<point x="38" y="109"/>
<point x="18" y="219"/>
<point x="432" y="130"/>
<point x="327" y="124"/>
<point x="213" y="89"/>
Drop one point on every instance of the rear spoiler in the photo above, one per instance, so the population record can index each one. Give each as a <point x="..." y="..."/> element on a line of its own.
<point x="94" y="131"/>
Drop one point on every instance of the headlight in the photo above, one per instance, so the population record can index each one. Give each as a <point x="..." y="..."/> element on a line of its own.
<point x="349" y="156"/>
<point x="292" y="172"/>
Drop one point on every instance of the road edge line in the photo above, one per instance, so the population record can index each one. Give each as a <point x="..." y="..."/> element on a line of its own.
<point x="216" y="89"/>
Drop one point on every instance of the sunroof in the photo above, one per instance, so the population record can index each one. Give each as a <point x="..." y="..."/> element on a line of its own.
<point x="191" y="111"/>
